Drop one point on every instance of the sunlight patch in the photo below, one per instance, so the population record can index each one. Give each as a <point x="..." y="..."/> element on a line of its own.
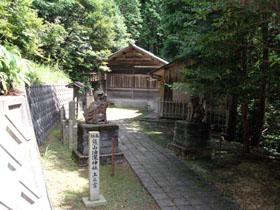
<point x="121" y="114"/>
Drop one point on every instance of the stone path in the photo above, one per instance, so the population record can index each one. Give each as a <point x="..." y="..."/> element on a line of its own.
<point x="169" y="181"/>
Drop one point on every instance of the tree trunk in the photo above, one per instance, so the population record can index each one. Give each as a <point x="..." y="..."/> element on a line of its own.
<point x="245" y="122"/>
<point x="244" y="106"/>
<point x="263" y="88"/>
<point x="231" y="128"/>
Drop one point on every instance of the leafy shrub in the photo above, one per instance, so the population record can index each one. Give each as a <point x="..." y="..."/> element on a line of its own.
<point x="15" y="72"/>
<point x="272" y="143"/>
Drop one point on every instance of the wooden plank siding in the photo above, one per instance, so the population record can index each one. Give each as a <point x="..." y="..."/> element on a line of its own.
<point x="131" y="81"/>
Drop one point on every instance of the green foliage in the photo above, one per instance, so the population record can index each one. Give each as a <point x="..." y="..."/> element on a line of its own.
<point x="234" y="47"/>
<point x="13" y="70"/>
<point x="81" y="34"/>
<point x="130" y="9"/>
<point x="151" y="36"/>
<point x="20" y="26"/>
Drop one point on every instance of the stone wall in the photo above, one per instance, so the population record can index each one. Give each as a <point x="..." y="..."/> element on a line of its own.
<point x="45" y="103"/>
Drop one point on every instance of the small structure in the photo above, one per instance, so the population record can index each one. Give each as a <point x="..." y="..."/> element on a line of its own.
<point x="95" y="120"/>
<point x="129" y="82"/>
<point x="77" y="86"/>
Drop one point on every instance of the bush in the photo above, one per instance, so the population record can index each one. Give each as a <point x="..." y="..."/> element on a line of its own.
<point x="15" y="72"/>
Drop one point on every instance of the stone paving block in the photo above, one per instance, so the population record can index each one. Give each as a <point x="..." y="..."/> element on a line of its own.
<point x="165" y="203"/>
<point x="180" y="201"/>
<point x="203" y="207"/>
<point x="160" y="196"/>
<point x="186" y="207"/>
<point x="169" y="208"/>
<point x="154" y="189"/>
<point x="175" y="195"/>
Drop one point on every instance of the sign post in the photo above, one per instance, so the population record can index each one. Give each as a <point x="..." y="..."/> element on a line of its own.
<point x="95" y="198"/>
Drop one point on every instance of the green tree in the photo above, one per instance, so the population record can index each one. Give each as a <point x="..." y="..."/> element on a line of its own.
<point x="151" y="36"/>
<point x="87" y="30"/>
<point x="20" y="26"/>
<point x="231" y="44"/>
<point x="130" y="9"/>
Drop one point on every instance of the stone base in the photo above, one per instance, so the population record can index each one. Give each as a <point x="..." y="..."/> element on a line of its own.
<point x="107" y="133"/>
<point x="104" y="159"/>
<point x="191" y="134"/>
<point x="91" y="204"/>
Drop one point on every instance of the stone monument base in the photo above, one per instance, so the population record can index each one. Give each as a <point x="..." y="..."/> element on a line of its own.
<point x="107" y="133"/>
<point x="91" y="204"/>
<point x="191" y="138"/>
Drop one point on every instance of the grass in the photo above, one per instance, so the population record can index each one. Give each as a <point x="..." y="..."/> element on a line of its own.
<point x="45" y="75"/>
<point x="251" y="182"/>
<point x="67" y="183"/>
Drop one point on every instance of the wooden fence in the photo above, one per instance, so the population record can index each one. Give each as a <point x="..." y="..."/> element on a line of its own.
<point x="135" y="81"/>
<point x="217" y="118"/>
<point x="45" y="102"/>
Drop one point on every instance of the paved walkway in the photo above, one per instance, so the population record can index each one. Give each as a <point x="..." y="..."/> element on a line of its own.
<point x="169" y="181"/>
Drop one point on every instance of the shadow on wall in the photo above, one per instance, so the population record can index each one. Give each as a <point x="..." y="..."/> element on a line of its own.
<point x="45" y="102"/>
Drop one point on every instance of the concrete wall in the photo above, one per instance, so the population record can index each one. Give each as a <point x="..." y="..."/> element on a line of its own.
<point x="22" y="183"/>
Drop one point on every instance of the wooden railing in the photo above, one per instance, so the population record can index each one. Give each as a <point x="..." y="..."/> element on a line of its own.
<point x="217" y="118"/>
<point x="173" y="110"/>
<point x="135" y="81"/>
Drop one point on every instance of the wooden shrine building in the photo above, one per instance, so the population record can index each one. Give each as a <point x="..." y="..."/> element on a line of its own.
<point x="129" y="82"/>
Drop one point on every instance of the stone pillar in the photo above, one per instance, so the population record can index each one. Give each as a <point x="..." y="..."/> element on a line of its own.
<point x="65" y="131"/>
<point x="70" y="133"/>
<point x="62" y="117"/>
<point x="95" y="198"/>
<point x="75" y="136"/>
<point x="72" y="124"/>
<point x="72" y="110"/>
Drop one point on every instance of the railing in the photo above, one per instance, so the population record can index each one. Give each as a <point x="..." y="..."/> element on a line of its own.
<point x="135" y="81"/>
<point x="217" y="118"/>
<point x="173" y="110"/>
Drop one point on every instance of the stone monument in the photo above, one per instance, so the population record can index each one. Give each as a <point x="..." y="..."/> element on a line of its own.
<point x="95" y="198"/>
<point x="96" y="120"/>
<point x="192" y="134"/>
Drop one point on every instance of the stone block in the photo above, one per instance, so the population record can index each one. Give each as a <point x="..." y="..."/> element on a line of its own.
<point x="191" y="135"/>
<point x="107" y="132"/>
<point x="91" y="204"/>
